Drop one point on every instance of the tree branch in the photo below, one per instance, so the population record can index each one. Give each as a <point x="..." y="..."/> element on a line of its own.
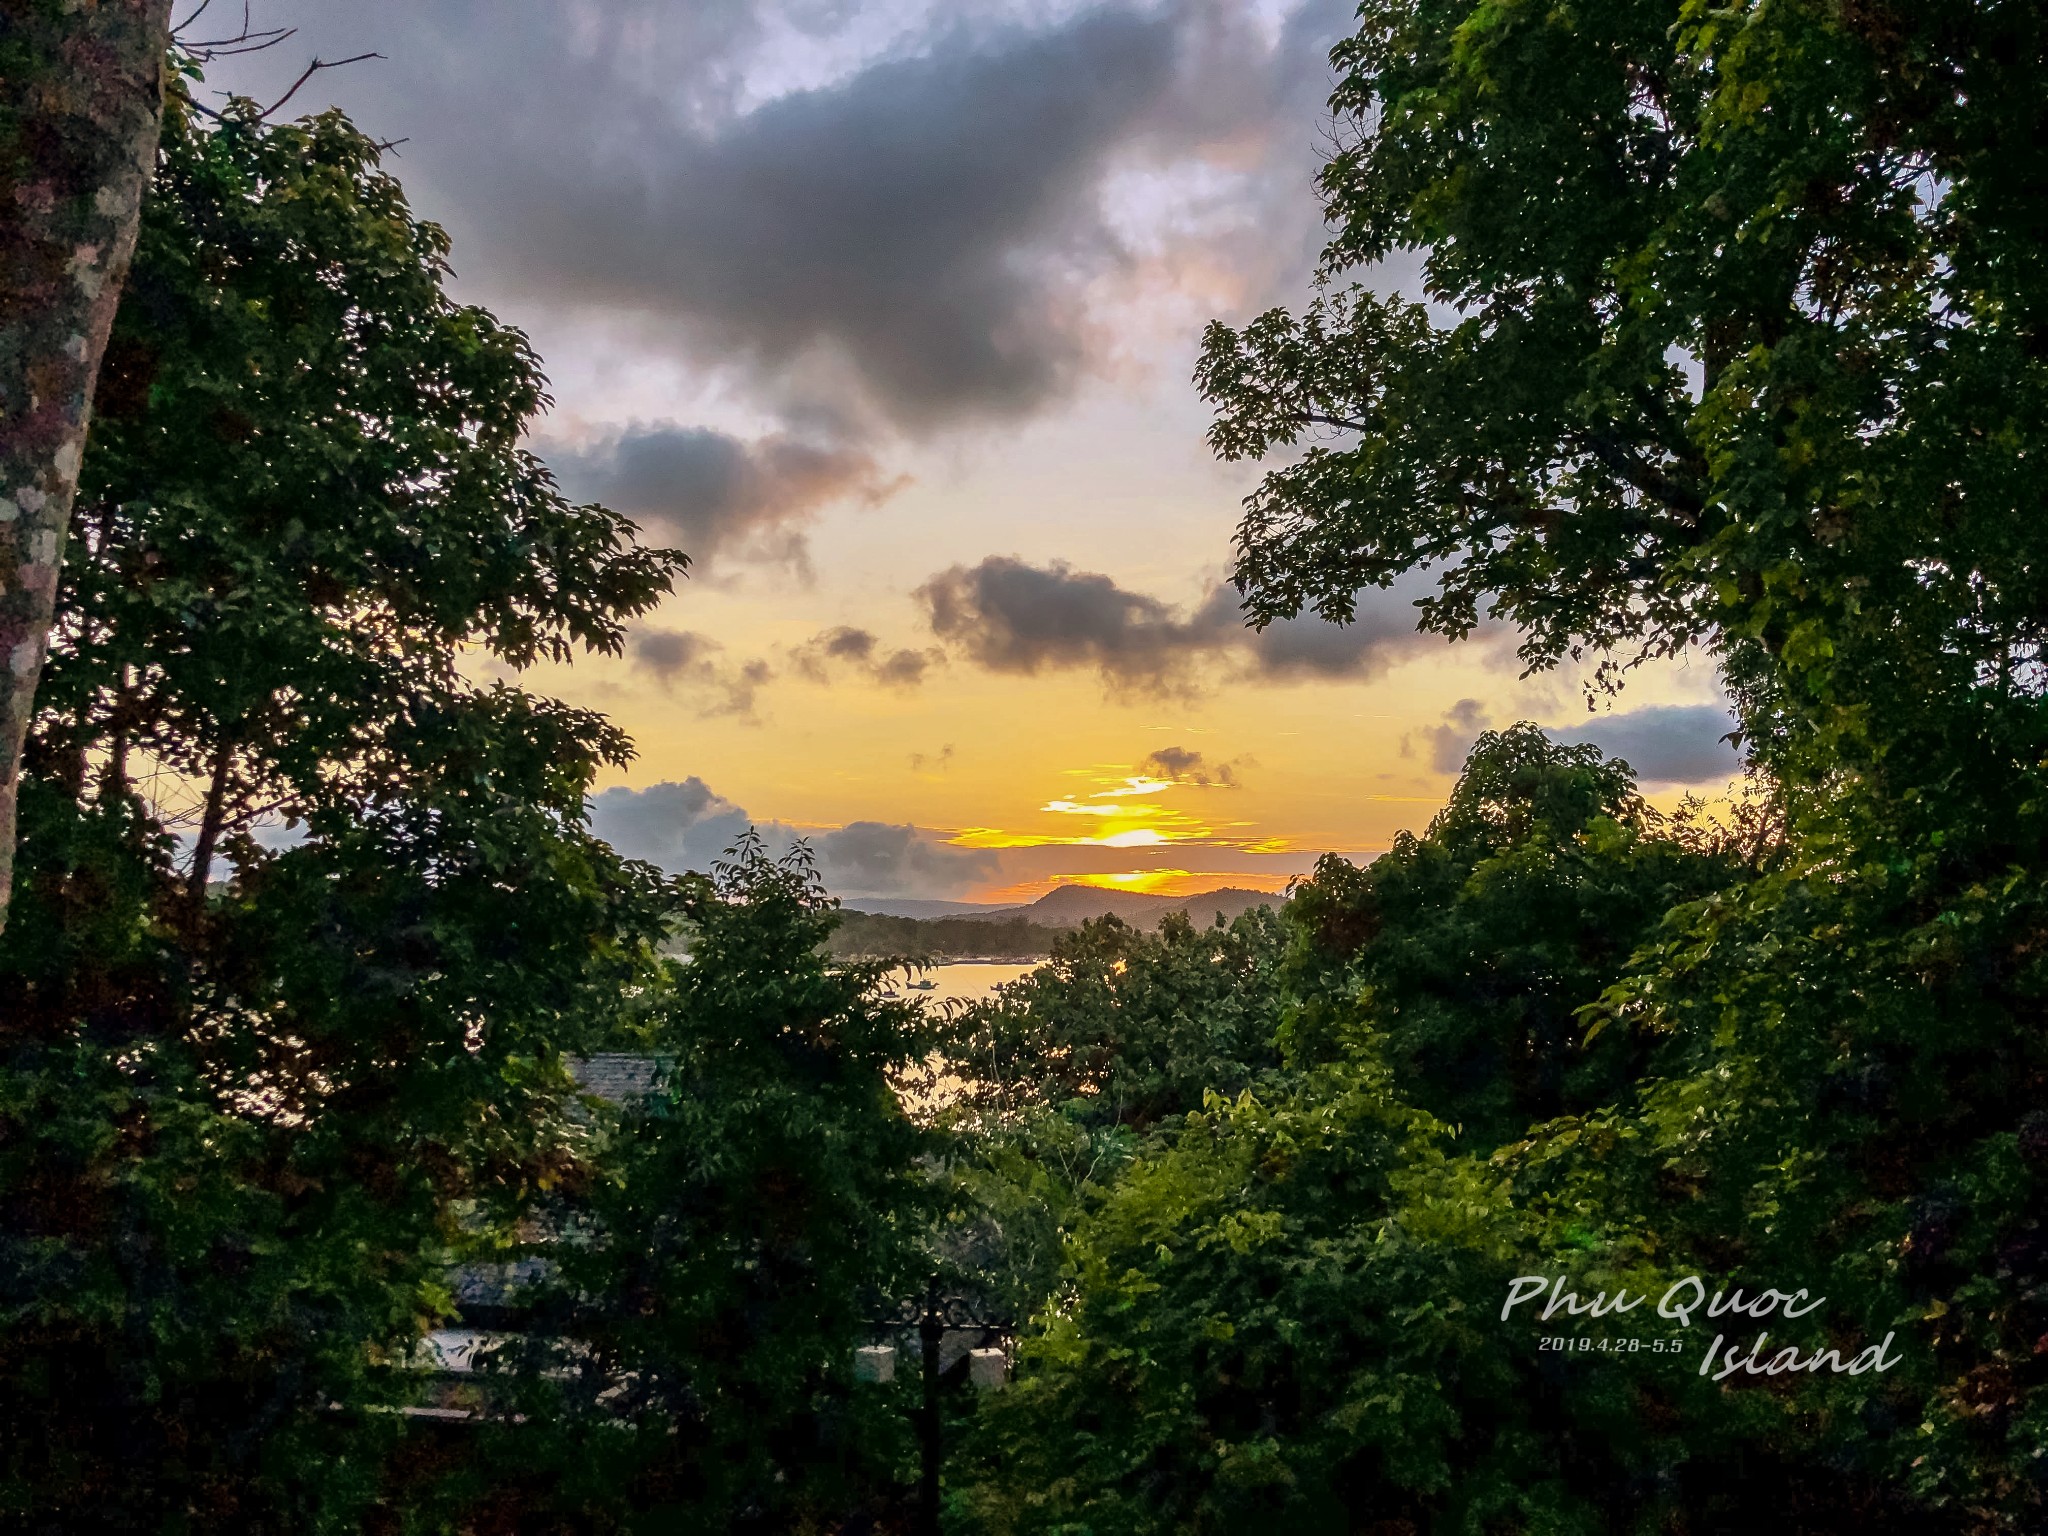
<point x="1312" y="419"/>
<point x="1651" y="481"/>
<point x="313" y="69"/>
<point x="248" y="40"/>
<point x="210" y="825"/>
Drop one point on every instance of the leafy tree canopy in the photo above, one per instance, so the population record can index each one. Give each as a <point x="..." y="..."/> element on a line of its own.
<point x="254" y="1097"/>
<point x="716" y="1273"/>
<point x="1471" y="949"/>
<point x="1729" y="332"/>
<point x="1125" y="1028"/>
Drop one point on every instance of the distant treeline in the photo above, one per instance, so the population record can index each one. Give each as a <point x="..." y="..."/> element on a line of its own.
<point x="869" y="935"/>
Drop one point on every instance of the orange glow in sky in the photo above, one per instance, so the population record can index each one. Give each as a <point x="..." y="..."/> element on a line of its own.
<point x="959" y="609"/>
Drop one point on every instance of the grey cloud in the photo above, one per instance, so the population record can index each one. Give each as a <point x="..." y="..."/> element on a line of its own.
<point x="904" y="668"/>
<point x="913" y="223"/>
<point x="859" y="650"/>
<point x="1664" y="743"/>
<point x="677" y="826"/>
<point x="1307" y="649"/>
<point x="1450" y="742"/>
<point x="923" y="229"/>
<point x="844" y="644"/>
<point x="1185" y="766"/>
<point x="1012" y="617"/>
<point x="686" y="659"/>
<point x="686" y="826"/>
<point x="668" y="653"/>
<point x="873" y="858"/>
<point x="716" y="497"/>
<point x="1009" y="616"/>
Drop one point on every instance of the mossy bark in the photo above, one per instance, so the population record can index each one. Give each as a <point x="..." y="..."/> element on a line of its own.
<point x="81" y="103"/>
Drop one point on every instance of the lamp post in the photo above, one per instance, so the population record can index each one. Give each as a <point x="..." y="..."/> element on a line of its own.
<point x="934" y="1315"/>
<point x="931" y="1332"/>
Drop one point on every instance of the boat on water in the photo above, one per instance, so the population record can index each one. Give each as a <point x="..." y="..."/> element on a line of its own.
<point x="922" y="986"/>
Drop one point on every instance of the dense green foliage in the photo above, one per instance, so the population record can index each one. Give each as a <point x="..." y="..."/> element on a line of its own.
<point x="1281" y="1306"/>
<point x="311" y="929"/>
<point x="1125" y="1028"/>
<point x="1485" y="935"/>
<point x="252" y="1100"/>
<point x="1732" y="341"/>
<point x="691" y="1350"/>
<point x="1063" y="1073"/>
<point x="1740" y="345"/>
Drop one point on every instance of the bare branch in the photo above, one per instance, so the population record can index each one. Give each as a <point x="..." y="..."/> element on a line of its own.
<point x="313" y="69"/>
<point x="231" y="48"/>
<point x="248" y="40"/>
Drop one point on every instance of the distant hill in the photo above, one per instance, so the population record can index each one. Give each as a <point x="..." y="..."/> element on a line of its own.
<point x="879" y="935"/>
<point x="891" y="907"/>
<point x="1069" y="906"/>
<point x="1018" y="933"/>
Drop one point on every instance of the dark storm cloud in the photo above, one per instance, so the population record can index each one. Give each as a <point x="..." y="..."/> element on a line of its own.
<point x="694" y="663"/>
<point x="715" y="496"/>
<point x="1664" y="743"/>
<point x="922" y="229"/>
<point x="1010" y="616"/>
<point x="686" y="826"/>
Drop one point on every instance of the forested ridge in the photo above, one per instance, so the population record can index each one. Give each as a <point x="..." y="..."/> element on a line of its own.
<point x="875" y="935"/>
<point x="1729" y="344"/>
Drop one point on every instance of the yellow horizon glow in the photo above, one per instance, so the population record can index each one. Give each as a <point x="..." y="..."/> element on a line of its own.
<point x="1148" y="882"/>
<point x="1137" y="837"/>
<point x="1137" y="786"/>
<point x="1015" y="766"/>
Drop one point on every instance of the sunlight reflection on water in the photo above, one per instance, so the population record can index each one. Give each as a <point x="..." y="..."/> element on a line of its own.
<point x="968" y="981"/>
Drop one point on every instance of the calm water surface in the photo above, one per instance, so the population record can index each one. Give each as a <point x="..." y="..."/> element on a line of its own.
<point x="968" y="980"/>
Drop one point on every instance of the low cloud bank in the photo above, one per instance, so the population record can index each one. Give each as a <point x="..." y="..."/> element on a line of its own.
<point x="686" y="825"/>
<point x="1666" y="744"/>
<point x="1007" y="615"/>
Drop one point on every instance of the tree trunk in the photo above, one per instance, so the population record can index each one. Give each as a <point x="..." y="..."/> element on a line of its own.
<point x="210" y="823"/>
<point x="81" y="104"/>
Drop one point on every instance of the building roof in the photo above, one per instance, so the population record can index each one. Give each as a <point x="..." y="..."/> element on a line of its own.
<point x="620" y="1078"/>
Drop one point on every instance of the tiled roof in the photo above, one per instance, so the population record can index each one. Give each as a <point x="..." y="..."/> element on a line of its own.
<point x="618" y="1077"/>
<point x="498" y="1285"/>
<point x="622" y="1079"/>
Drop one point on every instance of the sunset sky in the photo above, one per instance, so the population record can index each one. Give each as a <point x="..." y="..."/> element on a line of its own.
<point x="886" y="314"/>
